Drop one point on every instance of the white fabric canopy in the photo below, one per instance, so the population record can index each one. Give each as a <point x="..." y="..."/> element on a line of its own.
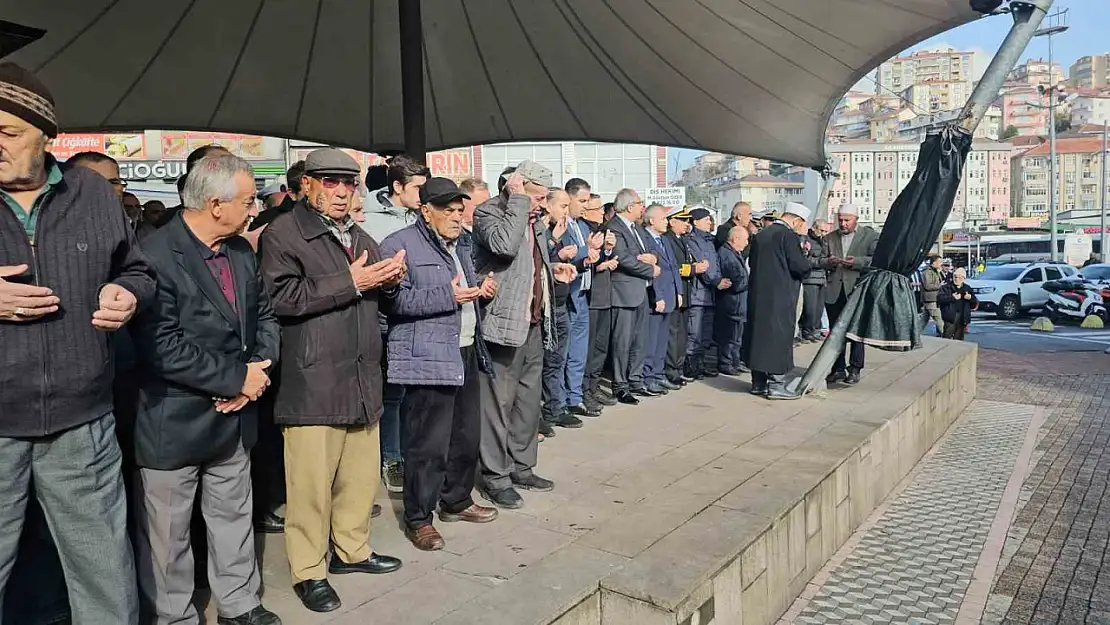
<point x="751" y="77"/>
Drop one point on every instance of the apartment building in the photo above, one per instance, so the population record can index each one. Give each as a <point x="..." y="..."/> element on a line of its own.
<point x="1023" y="109"/>
<point x="1091" y="109"/>
<point x="903" y="72"/>
<point x="1037" y="72"/>
<point x="1078" y="185"/>
<point x="937" y="95"/>
<point x="1090" y="72"/>
<point x="763" y="192"/>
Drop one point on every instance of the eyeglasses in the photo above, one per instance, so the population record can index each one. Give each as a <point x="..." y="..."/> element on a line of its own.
<point x="117" y="182"/>
<point x="331" y="182"/>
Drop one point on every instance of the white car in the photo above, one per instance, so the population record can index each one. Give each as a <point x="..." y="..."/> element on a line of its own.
<point x="1096" y="272"/>
<point x="1008" y="290"/>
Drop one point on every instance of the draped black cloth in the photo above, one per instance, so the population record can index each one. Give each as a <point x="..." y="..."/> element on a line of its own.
<point x="882" y="310"/>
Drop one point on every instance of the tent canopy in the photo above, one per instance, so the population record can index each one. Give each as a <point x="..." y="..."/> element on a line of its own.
<point x="752" y="77"/>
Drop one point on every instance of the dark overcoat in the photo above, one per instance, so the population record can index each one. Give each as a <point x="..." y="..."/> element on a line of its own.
<point x="778" y="265"/>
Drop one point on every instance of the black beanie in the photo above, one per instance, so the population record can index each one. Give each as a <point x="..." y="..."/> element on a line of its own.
<point x="24" y="95"/>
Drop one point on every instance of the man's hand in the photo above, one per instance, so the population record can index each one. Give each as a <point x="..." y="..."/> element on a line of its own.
<point x="610" y="241"/>
<point x="568" y="252"/>
<point x="592" y="255"/>
<point x="608" y="265"/>
<point x="117" y="306"/>
<point x="464" y="295"/>
<point x="489" y="287"/>
<point x="724" y="284"/>
<point x="257" y="381"/>
<point x="398" y="260"/>
<point x="680" y="301"/>
<point x="228" y="406"/>
<point x="806" y="245"/>
<point x="387" y="272"/>
<point x="701" y="266"/>
<point x="515" y="183"/>
<point x="656" y="270"/>
<point x="660" y="306"/>
<point x="564" y="272"/>
<point x="559" y="228"/>
<point x="848" y="261"/>
<point x="647" y="258"/>
<point x="596" y="240"/>
<point x="22" y="302"/>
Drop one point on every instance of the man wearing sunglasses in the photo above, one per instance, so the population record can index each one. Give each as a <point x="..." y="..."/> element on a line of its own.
<point x="325" y="276"/>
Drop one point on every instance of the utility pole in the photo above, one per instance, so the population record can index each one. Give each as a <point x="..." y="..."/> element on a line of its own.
<point x="1105" y="155"/>
<point x="1057" y="23"/>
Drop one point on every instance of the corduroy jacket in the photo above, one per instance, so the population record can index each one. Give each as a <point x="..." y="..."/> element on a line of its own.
<point x="56" y="372"/>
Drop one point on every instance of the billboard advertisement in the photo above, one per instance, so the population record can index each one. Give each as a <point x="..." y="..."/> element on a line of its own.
<point x="178" y="145"/>
<point x="120" y="146"/>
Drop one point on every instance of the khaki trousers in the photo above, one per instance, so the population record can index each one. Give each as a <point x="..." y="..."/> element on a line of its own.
<point x="331" y="479"/>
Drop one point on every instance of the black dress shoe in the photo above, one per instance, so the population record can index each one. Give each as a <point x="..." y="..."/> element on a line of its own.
<point x="376" y="511"/>
<point x="317" y="595"/>
<point x="506" y="498"/>
<point x="582" y="410"/>
<point x="709" y="373"/>
<point x="605" y="399"/>
<point x="628" y="398"/>
<point x="778" y="391"/>
<point x="670" y="386"/>
<point x="533" y="482"/>
<point x="657" y="389"/>
<point x="546" y="429"/>
<point x="593" y="407"/>
<point x="729" y="371"/>
<point x="743" y="368"/>
<point x="257" y="616"/>
<point x="853" y="377"/>
<point x="375" y="564"/>
<point x="759" y="390"/>
<point x="565" y="420"/>
<point x="269" y="523"/>
<point x="688" y="378"/>
<point x="836" y="376"/>
<point x="643" y="391"/>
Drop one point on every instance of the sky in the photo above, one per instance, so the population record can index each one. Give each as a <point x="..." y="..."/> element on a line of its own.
<point x="1088" y="22"/>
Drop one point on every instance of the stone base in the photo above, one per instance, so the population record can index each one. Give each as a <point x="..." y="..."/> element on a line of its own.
<point x="707" y="506"/>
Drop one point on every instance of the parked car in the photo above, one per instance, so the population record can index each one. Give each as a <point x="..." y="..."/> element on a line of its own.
<point x="1097" y="272"/>
<point x="1008" y="290"/>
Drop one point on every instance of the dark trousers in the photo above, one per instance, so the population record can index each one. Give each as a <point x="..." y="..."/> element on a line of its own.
<point x="676" y="345"/>
<point x="441" y="442"/>
<point x="699" y="320"/>
<point x="268" y="460"/>
<point x="955" y="331"/>
<point x="658" y="334"/>
<point x="627" y="323"/>
<point x="855" y="358"/>
<point x="730" y="334"/>
<point x="554" y="361"/>
<point x="36" y="592"/>
<point x="760" y="379"/>
<point x="640" y="345"/>
<point x="813" y="302"/>
<point x="601" y="330"/>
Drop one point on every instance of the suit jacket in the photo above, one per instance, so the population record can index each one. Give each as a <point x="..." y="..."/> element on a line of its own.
<point x="579" y="260"/>
<point x="683" y="258"/>
<point x="194" y="346"/>
<point x="843" y="279"/>
<point x="601" y="292"/>
<point x="733" y="301"/>
<point x="668" y="284"/>
<point x="631" y="277"/>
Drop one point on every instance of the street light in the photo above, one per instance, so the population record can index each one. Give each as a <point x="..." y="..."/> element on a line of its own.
<point x="1057" y="23"/>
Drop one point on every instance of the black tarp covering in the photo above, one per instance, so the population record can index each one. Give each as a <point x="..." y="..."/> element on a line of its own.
<point x="882" y="310"/>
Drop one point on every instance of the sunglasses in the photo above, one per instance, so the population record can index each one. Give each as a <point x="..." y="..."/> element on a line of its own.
<point x="331" y="182"/>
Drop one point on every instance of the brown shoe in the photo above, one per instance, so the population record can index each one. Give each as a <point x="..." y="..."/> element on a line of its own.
<point x="425" y="538"/>
<point x="473" y="514"/>
<point x="376" y="511"/>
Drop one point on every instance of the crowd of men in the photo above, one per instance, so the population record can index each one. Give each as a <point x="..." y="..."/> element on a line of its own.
<point x="173" y="379"/>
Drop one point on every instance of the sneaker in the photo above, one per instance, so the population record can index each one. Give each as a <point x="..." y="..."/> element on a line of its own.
<point x="393" y="474"/>
<point x="546" y="430"/>
<point x="533" y="482"/>
<point x="505" y="498"/>
<point x="565" y="420"/>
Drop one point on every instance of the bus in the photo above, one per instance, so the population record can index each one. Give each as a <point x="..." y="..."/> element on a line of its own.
<point x="1010" y="248"/>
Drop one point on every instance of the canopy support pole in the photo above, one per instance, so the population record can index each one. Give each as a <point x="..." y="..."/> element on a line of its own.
<point x="412" y="77"/>
<point x="1027" y="15"/>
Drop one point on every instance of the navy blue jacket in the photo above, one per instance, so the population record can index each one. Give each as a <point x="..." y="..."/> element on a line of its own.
<point x="668" y="284"/>
<point x="579" y="260"/>
<point x="704" y="290"/>
<point x="424" y="319"/>
<point x="733" y="301"/>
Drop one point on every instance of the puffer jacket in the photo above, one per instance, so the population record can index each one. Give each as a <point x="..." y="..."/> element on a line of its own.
<point x="503" y="238"/>
<point x="704" y="289"/>
<point x="818" y="253"/>
<point x="424" y="320"/>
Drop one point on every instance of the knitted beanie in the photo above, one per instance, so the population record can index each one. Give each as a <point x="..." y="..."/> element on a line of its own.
<point x="24" y="95"/>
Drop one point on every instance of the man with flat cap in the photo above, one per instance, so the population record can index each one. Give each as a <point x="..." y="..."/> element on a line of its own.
<point x="849" y="249"/>
<point x="435" y="351"/>
<point x="517" y="325"/>
<point x="71" y="273"/>
<point x="778" y="264"/>
<point x="325" y="277"/>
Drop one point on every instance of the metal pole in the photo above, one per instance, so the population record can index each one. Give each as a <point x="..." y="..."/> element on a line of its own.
<point x="1053" y="255"/>
<point x="1027" y="15"/>
<point x="1103" y="185"/>
<point x="412" y="77"/>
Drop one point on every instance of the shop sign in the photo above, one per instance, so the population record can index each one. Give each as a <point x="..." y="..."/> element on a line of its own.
<point x="671" y="197"/>
<point x="178" y="145"/>
<point x="118" y="146"/>
<point x="152" y="170"/>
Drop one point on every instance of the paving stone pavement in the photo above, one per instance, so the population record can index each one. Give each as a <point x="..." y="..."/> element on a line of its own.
<point x="914" y="564"/>
<point x="1055" y="566"/>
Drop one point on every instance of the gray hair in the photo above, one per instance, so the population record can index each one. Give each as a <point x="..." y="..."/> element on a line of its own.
<point x="624" y="200"/>
<point x="647" y="212"/>
<point x="959" y="271"/>
<point x="213" y="177"/>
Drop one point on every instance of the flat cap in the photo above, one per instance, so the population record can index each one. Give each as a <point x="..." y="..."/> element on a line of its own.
<point x="700" y="213"/>
<point x="535" y="173"/>
<point x="330" y="161"/>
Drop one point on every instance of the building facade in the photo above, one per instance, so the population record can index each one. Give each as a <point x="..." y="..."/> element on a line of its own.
<point x="608" y="167"/>
<point x="1078" y="183"/>
<point x="1036" y="72"/>
<point x="1090" y="72"/>
<point x="1090" y="109"/>
<point x="938" y="95"/>
<point x="1023" y="109"/>
<point x="763" y="192"/>
<point x="903" y="72"/>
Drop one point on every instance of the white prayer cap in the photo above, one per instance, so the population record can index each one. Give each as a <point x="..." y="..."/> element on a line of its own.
<point x="800" y="210"/>
<point x="847" y="209"/>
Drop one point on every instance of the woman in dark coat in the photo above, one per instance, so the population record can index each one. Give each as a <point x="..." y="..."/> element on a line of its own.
<point x="956" y="302"/>
<point x="778" y="265"/>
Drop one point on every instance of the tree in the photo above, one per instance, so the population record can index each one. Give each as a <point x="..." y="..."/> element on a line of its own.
<point x="1063" y="122"/>
<point x="1010" y="132"/>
